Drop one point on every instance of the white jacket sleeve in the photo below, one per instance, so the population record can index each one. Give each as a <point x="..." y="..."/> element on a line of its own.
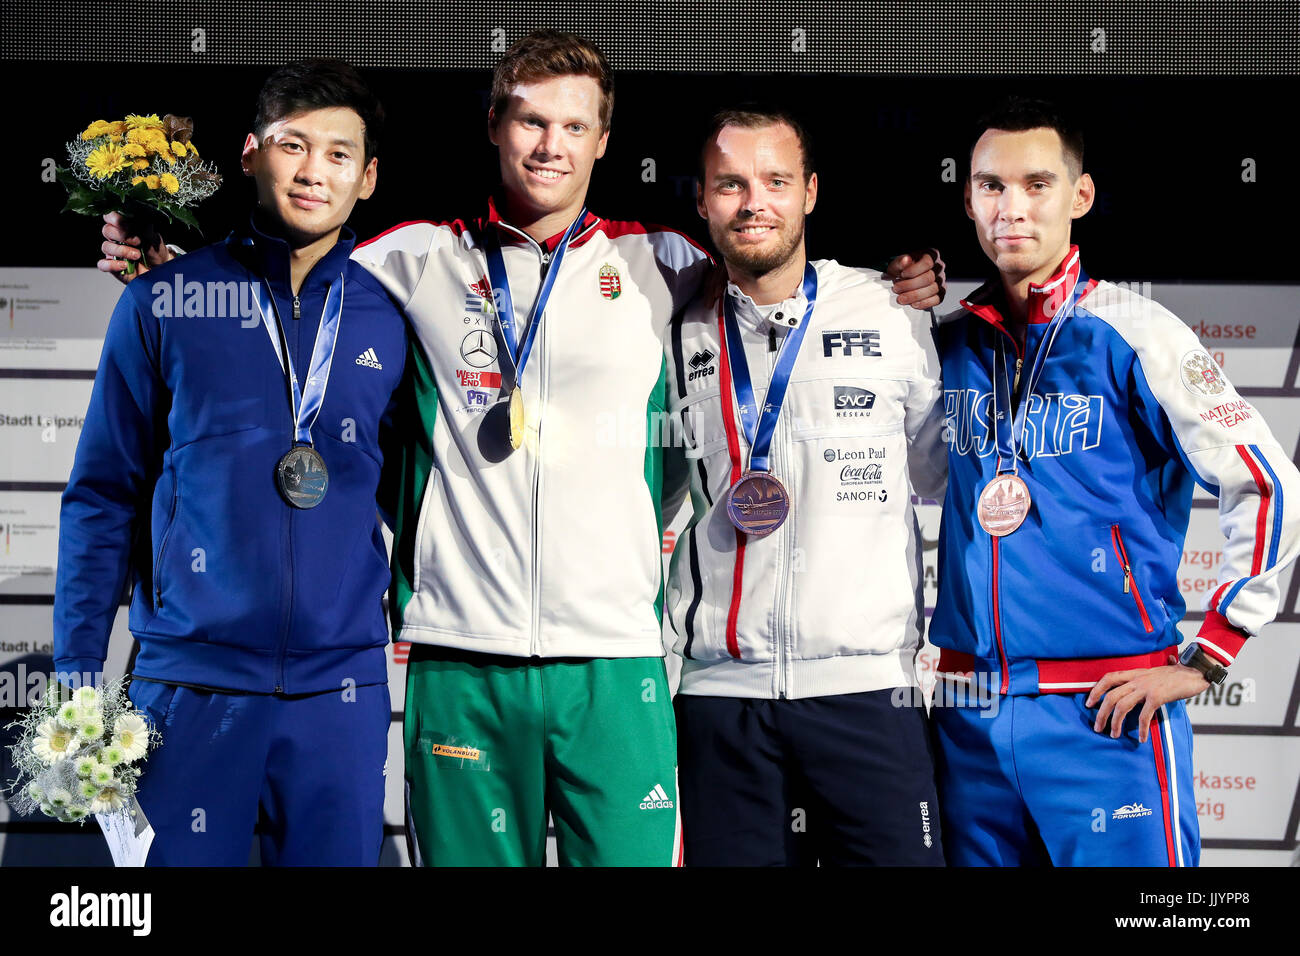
<point x="397" y="258"/>
<point x="927" y="453"/>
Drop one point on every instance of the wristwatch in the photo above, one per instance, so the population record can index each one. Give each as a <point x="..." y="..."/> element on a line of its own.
<point x="1193" y="656"/>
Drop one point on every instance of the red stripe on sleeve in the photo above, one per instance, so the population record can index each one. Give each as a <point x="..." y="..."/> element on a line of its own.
<point x="1265" y="500"/>
<point x="1217" y="629"/>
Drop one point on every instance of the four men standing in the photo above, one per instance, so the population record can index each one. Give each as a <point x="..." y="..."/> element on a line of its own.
<point x="528" y="513"/>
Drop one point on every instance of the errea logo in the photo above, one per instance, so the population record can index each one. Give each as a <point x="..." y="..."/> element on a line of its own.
<point x="656" y="799"/>
<point x="701" y="364"/>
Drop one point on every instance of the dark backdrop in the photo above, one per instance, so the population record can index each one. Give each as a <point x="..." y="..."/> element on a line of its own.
<point x="1166" y="153"/>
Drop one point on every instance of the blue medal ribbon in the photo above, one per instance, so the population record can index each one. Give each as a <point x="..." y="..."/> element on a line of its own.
<point x="503" y="304"/>
<point x="305" y="402"/>
<point x="760" y="428"/>
<point x="1011" y="433"/>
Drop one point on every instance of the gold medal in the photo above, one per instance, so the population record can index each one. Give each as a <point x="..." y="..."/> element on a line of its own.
<point x="516" y="419"/>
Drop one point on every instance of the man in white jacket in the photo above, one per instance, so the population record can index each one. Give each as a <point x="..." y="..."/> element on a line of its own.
<point x="811" y="410"/>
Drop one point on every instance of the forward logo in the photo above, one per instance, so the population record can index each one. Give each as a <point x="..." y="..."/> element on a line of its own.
<point x="656" y="799"/>
<point x="369" y="359"/>
<point x="1130" y="810"/>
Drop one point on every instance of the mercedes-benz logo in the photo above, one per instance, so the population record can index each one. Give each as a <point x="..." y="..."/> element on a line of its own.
<point x="479" y="349"/>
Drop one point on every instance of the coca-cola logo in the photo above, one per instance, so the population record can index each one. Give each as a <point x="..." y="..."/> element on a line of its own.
<point x="869" y="474"/>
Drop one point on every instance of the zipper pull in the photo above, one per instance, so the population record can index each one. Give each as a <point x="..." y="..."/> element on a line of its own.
<point x="297" y="314"/>
<point x="771" y="340"/>
<point x="1128" y="577"/>
<point x="157" y="597"/>
<point x="1015" y="385"/>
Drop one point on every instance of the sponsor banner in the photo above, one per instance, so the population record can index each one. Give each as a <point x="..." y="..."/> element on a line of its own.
<point x="29" y="542"/>
<point x="1249" y="857"/>
<point x="40" y="423"/>
<point x="928" y="516"/>
<point x="1259" y="684"/>
<point x="1248" y="330"/>
<point x="1282" y="416"/>
<point x="27" y="642"/>
<point x="1245" y="785"/>
<point x="54" y="318"/>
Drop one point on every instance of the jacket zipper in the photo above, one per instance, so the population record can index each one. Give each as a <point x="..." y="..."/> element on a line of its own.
<point x="162" y="548"/>
<point x="997" y="542"/>
<point x="544" y="258"/>
<point x="995" y="593"/>
<point x="534" y="648"/>
<point x="782" y="632"/>
<point x="288" y="537"/>
<point x="997" y="614"/>
<point x="1130" y="583"/>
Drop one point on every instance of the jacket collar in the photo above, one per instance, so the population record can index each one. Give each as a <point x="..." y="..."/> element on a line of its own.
<point x="989" y="303"/>
<point x="267" y="254"/>
<point x="512" y="233"/>
<point x="786" y="315"/>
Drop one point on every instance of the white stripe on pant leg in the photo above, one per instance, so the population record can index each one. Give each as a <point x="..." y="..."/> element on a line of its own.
<point x="412" y="841"/>
<point x="1172" y="769"/>
<point x="677" y="825"/>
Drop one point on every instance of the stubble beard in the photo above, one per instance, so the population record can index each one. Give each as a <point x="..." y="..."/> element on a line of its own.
<point x="757" y="262"/>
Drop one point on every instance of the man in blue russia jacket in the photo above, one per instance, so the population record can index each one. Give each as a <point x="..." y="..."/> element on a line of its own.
<point x="1080" y="416"/>
<point x="229" y="467"/>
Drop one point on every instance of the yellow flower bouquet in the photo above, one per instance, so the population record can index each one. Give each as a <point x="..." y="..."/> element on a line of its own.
<point x="145" y="167"/>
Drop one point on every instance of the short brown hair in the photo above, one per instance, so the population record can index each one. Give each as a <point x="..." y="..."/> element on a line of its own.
<point x="543" y="54"/>
<point x="757" y="116"/>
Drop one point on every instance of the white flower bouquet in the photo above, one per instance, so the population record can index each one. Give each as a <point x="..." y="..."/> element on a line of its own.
<point x="80" y="754"/>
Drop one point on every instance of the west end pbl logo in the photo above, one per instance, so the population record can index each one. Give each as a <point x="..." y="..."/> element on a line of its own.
<point x="844" y="341"/>
<point x="853" y="402"/>
<point x="701" y="364"/>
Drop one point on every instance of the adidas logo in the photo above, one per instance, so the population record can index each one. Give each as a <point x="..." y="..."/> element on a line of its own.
<point x="700" y="365"/>
<point x="369" y="359"/>
<point x="656" y="799"/>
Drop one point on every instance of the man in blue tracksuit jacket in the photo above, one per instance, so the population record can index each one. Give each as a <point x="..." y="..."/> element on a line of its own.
<point x="1079" y="417"/>
<point x="257" y="602"/>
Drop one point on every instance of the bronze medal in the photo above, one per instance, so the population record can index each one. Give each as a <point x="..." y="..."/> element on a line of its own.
<point x="1003" y="505"/>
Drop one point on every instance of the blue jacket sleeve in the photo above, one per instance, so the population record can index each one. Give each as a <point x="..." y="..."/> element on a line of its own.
<point x="109" y="490"/>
